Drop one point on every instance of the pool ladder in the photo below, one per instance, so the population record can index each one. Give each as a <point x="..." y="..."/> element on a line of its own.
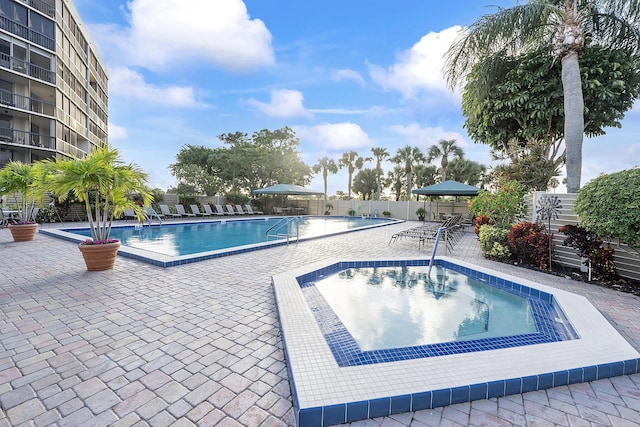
<point x="292" y="229"/>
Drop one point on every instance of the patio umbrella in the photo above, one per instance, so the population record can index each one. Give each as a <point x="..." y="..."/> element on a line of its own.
<point x="447" y="188"/>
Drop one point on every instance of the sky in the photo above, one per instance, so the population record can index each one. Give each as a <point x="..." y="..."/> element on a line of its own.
<point x="344" y="75"/>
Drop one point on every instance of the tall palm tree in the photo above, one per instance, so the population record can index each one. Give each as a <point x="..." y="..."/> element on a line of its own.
<point x="352" y="161"/>
<point x="325" y="165"/>
<point x="408" y="157"/>
<point x="563" y="25"/>
<point x="444" y="149"/>
<point x="379" y="154"/>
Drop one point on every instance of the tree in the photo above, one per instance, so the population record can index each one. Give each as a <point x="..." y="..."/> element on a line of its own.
<point x="467" y="171"/>
<point x="365" y="183"/>
<point x="325" y="165"/>
<point x="408" y="157"/>
<point x="394" y="180"/>
<point x="379" y="154"/>
<point x="443" y="150"/>
<point x="352" y="161"/>
<point x="424" y="175"/>
<point x="562" y="25"/>
<point x="609" y="206"/>
<point x="520" y="114"/>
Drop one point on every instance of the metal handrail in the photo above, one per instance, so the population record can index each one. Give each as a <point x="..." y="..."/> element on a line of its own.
<point x="284" y="221"/>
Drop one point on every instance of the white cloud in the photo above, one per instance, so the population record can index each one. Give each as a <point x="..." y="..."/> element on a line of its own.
<point x="349" y="75"/>
<point x="128" y="83"/>
<point x="284" y="103"/>
<point x="166" y="34"/>
<point x="426" y="137"/>
<point x="334" y="136"/>
<point x="117" y="132"/>
<point x="419" y="69"/>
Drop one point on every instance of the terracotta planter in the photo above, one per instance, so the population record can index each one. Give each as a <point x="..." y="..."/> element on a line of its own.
<point x="99" y="257"/>
<point x="23" y="232"/>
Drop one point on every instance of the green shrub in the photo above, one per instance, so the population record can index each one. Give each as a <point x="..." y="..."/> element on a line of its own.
<point x="529" y="243"/>
<point x="609" y="206"/>
<point x="493" y="242"/>
<point x="589" y="246"/>
<point x="503" y="207"/>
<point x="237" y="198"/>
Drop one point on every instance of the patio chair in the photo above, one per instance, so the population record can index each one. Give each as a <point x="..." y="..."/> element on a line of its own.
<point x="196" y="211"/>
<point x="167" y="212"/>
<point x="34" y="214"/>
<point x="239" y="210"/>
<point x="207" y="209"/>
<point x="5" y="219"/>
<point x="230" y="210"/>
<point x="221" y="211"/>
<point x="278" y="210"/>
<point x="128" y="214"/>
<point x="151" y="213"/>
<point x="250" y="210"/>
<point x="182" y="212"/>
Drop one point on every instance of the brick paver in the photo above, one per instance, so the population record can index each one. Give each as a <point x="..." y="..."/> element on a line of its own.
<point x="200" y="344"/>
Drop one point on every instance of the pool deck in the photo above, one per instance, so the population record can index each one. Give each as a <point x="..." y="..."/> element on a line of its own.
<point x="200" y="344"/>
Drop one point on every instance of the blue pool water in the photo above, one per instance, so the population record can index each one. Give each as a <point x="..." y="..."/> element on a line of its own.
<point x="191" y="240"/>
<point x="391" y="307"/>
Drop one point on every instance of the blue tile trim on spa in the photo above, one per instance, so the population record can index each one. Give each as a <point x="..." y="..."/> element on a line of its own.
<point x="360" y="410"/>
<point x="347" y="352"/>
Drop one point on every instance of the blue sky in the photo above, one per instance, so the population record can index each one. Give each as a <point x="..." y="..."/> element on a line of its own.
<point x="345" y="75"/>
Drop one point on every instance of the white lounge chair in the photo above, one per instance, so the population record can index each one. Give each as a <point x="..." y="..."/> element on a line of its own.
<point x="196" y="211"/>
<point x="230" y="210"/>
<point x="239" y="210"/>
<point x="167" y="212"/>
<point x="182" y="212"/>
<point x="207" y="209"/>
<point x="129" y="214"/>
<point x="250" y="210"/>
<point x="221" y="211"/>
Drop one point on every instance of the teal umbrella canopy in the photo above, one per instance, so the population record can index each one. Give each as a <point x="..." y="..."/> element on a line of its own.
<point x="447" y="188"/>
<point x="288" y="190"/>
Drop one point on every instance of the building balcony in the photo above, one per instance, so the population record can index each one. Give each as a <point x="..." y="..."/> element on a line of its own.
<point x="29" y="139"/>
<point x="26" y="68"/>
<point x="45" y="7"/>
<point x="34" y="105"/>
<point x="25" y="32"/>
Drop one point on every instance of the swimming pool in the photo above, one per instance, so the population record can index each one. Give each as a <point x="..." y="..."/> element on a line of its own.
<point x="328" y="391"/>
<point x="176" y="243"/>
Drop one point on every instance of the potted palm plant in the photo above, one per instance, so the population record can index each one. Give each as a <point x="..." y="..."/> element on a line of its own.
<point x="23" y="180"/>
<point x="104" y="184"/>
<point x="420" y="212"/>
<point x="328" y="209"/>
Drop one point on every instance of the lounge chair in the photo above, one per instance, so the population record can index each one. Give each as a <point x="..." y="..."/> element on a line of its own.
<point x="182" y="212"/>
<point x="34" y="214"/>
<point x="230" y="210"/>
<point x="250" y="210"/>
<point x="278" y="211"/>
<point x="239" y="210"/>
<point x="221" y="211"/>
<point x="207" y="209"/>
<point x="5" y="219"/>
<point x="196" y="211"/>
<point x="167" y="212"/>
<point x="151" y="213"/>
<point x="129" y="214"/>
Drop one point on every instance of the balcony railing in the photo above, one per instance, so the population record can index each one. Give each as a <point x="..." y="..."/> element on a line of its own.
<point x="42" y="6"/>
<point x="27" y="68"/>
<point x="20" y="137"/>
<point x="27" y="33"/>
<point x="25" y="103"/>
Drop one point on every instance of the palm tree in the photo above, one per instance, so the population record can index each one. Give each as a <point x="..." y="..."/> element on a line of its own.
<point x="408" y="156"/>
<point x="352" y="161"/>
<point x="562" y="25"/>
<point x="379" y="154"/>
<point x="325" y="165"/>
<point x="444" y="149"/>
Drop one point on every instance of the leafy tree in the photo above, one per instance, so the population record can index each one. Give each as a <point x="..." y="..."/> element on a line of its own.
<point x="394" y="180"/>
<point x="379" y="154"/>
<point x="408" y="157"/>
<point x="365" y="183"/>
<point x="519" y="114"/>
<point x="561" y="25"/>
<point x="325" y="165"/>
<point x="609" y="206"/>
<point x="443" y="150"/>
<point x="352" y="161"/>
<point x="467" y="171"/>
<point x="424" y="175"/>
<point x="244" y="163"/>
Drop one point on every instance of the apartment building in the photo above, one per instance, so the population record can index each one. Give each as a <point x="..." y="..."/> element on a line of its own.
<point x="53" y="83"/>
